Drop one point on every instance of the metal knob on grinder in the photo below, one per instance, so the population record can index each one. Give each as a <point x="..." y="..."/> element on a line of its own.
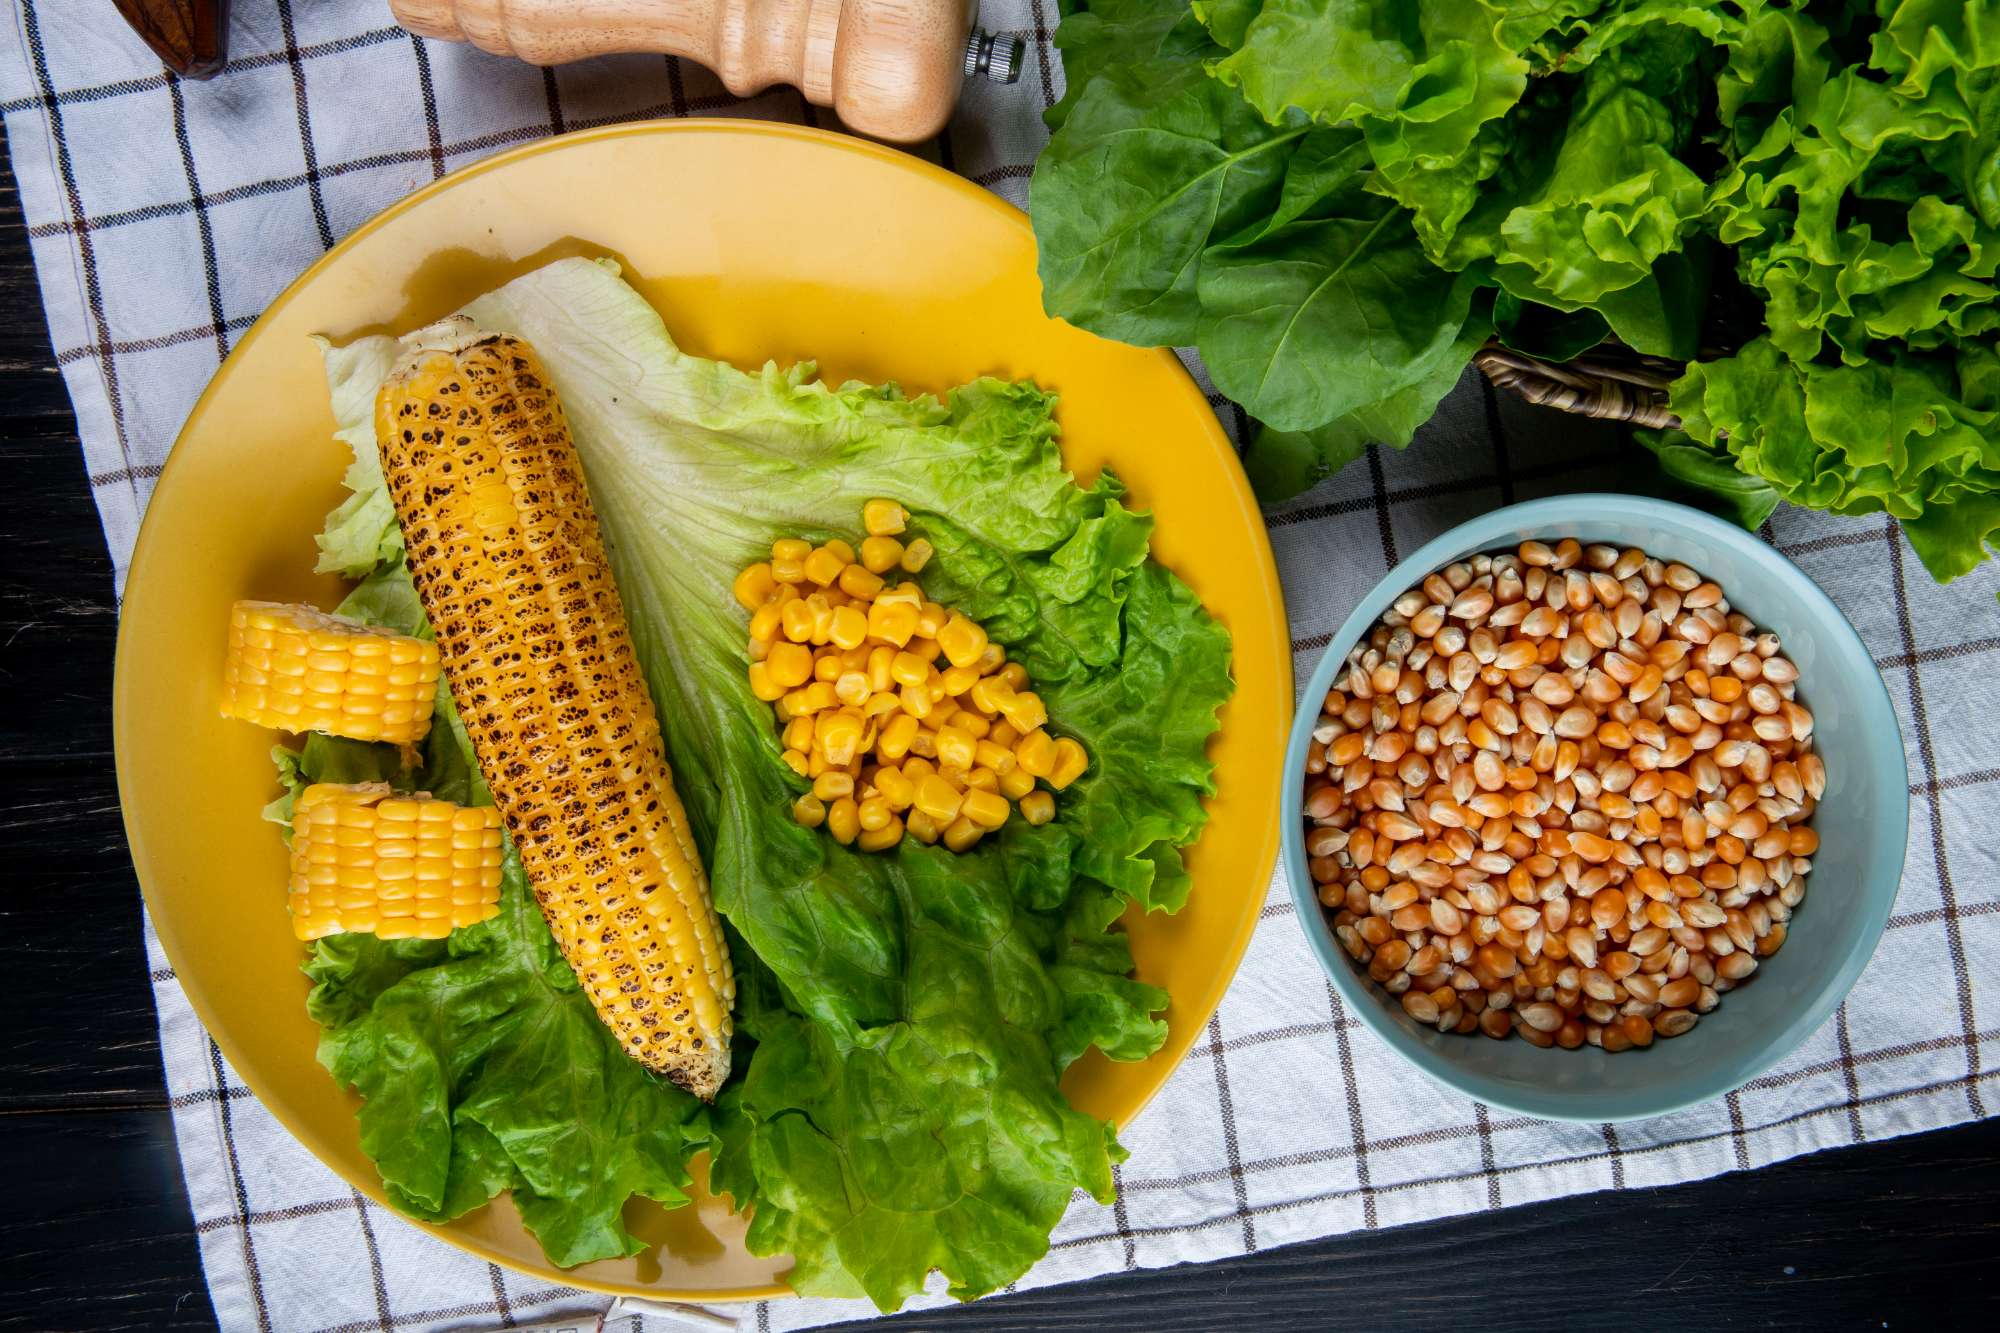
<point x="889" y="68"/>
<point x="993" y="57"/>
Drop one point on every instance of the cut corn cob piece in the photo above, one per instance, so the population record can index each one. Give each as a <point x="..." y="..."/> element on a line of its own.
<point x="296" y="668"/>
<point x="509" y="563"/>
<point x="401" y="867"/>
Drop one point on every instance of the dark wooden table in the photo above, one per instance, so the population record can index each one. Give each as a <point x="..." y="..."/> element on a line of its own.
<point x="99" y="1237"/>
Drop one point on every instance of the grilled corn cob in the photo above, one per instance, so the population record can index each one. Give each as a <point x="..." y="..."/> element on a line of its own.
<point x="299" y="669"/>
<point x="506" y="555"/>
<point x="401" y="867"/>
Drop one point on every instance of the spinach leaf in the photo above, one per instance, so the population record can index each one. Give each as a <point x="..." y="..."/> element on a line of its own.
<point x="1279" y="314"/>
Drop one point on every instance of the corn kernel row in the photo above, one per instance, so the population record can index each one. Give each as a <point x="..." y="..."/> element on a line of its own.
<point x="907" y="718"/>
<point x="401" y="867"/>
<point x="296" y="668"/>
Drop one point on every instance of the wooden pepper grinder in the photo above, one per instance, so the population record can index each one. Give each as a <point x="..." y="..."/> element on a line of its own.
<point x="888" y="68"/>
<point x="189" y="36"/>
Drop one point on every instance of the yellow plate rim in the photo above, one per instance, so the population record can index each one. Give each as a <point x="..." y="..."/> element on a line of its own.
<point x="1230" y="956"/>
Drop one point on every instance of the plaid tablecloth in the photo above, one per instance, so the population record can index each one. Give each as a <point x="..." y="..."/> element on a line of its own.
<point x="165" y="215"/>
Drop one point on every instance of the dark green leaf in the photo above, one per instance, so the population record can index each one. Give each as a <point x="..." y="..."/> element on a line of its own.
<point x="1282" y="316"/>
<point x="1154" y="162"/>
<point x="1539" y="330"/>
<point x="1708" y="478"/>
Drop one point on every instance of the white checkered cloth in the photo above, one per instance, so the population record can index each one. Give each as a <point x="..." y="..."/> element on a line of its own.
<point x="165" y="215"/>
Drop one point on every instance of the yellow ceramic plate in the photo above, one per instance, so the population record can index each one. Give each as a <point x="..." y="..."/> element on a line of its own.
<point x="754" y="241"/>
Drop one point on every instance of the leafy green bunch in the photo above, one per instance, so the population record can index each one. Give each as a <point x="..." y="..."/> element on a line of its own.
<point x="1338" y="201"/>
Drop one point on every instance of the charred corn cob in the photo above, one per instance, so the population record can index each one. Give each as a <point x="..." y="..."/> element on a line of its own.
<point x="401" y="867"/>
<point x="507" y="558"/>
<point x="299" y="669"/>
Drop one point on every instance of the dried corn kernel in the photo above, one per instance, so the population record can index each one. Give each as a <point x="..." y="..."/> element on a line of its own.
<point x="1579" y="813"/>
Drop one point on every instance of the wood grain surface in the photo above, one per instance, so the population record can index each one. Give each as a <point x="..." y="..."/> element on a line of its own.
<point x="888" y="68"/>
<point x="98" y="1235"/>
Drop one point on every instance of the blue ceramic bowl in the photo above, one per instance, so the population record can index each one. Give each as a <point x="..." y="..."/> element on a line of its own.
<point x="1862" y="823"/>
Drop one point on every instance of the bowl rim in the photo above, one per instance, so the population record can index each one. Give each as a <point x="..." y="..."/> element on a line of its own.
<point x="1360" y="996"/>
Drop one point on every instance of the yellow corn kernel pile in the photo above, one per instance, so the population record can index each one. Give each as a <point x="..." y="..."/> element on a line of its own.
<point x="906" y="718"/>
<point x="400" y="867"/>
<point x="297" y="668"/>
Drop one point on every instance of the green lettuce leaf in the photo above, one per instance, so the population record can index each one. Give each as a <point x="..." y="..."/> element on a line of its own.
<point x="1227" y="21"/>
<point x="1917" y="437"/>
<point x="362" y="533"/>
<point x="484" y="1067"/>
<point x="911" y="998"/>
<point x="1617" y="198"/>
<point x="1681" y="176"/>
<point x="1419" y="82"/>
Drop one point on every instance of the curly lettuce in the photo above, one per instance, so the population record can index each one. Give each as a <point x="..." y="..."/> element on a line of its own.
<point x="1363" y="190"/>
<point x="1917" y="437"/>
<point x="905" y="1018"/>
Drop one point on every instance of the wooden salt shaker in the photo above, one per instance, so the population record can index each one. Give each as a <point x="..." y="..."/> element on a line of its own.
<point x="888" y="68"/>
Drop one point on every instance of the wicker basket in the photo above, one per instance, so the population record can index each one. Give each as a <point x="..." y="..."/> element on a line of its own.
<point x="1610" y="381"/>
